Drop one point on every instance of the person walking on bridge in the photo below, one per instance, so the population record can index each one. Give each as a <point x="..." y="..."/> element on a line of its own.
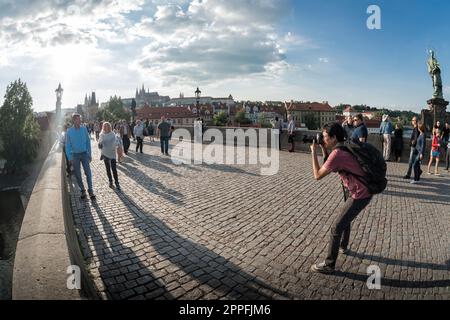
<point x="138" y="132"/>
<point x="78" y="151"/>
<point x="163" y="134"/>
<point x="108" y="144"/>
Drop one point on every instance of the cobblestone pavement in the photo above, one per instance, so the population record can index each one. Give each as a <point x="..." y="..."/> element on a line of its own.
<point x="226" y="232"/>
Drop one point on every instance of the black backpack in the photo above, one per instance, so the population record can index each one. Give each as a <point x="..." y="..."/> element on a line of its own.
<point x="372" y="163"/>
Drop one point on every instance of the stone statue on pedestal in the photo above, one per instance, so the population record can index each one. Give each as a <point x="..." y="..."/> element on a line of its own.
<point x="435" y="72"/>
<point x="437" y="105"/>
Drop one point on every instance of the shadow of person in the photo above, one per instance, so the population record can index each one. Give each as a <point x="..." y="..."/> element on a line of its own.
<point x="394" y="282"/>
<point x="414" y="188"/>
<point x="407" y="263"/>
<point x="217" y="167"/>
<point x="197" y="261"/>
<point x="151" y="161"/>
<point x="152" y="185"/>
<point x="228" y="169"/>
<point x="122" y="272"/>
<point x="418" y="196"/>
<point x="438" y="183"/>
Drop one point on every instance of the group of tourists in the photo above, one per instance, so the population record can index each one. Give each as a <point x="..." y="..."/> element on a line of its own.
<point x="114" y="142"/>
<point x="356" y="128"/>
<point x="440" y="144"/>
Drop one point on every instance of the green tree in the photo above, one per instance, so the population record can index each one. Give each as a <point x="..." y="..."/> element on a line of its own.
<point x="114" y="111"/>
<point x="19" y="130"/>
<point x="220" y="119"/>
<point x="311" y="122"/>
<point x="262" y="121"/>
<point x="340" y="108"/>
<point x="241" y="118"/>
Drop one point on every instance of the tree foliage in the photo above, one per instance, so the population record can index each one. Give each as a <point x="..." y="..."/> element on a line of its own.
<point x="114" y="111"/>
<point x="405" y="116"/>
<point x="262" y="121"/>
<point x="311" y="122"/>
<point x="19" y="130"/>
<point x="220" y="119"/>
<point x="241" y="118"/>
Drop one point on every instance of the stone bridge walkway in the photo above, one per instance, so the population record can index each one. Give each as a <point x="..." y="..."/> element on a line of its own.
<point x="226" y="232"/>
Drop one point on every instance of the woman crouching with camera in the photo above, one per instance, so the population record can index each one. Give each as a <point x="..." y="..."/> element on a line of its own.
<point x="108" y="144"/>
<point x="348" y="168"/>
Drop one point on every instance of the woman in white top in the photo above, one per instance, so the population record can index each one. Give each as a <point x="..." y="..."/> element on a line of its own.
<point x="108" y="143"/>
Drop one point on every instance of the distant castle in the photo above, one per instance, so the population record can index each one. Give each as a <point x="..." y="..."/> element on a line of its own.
<point x="90" y="107"/>
<point x="143" y="97"/>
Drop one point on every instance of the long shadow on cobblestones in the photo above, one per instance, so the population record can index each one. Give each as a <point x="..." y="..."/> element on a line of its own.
<point x="424" y="176"/>
<point x="396" y="283"/>
<point x="228" y="169"/>
<point x="199" y="262"/>
<point x="438" y="185"/>
<point x="405" y="263"/>
<point x="166" y="160"/>
<point x="151" y="185"/>
<point x="151" y="162"/>
<point x="417" y="196"/>
<point x="424" y="186"/>
<point x="120" y="269"/>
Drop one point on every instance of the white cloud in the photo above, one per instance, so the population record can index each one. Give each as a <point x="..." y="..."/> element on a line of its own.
<point x="27" y="27"/>
<point x="214" y="40"/>
<point x="324" y="60"/>
<point x="105" y="44"/>
<point x="68" y="41"/>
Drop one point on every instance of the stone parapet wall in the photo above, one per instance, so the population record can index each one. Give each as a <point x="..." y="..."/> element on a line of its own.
<point x="374" y="139"/>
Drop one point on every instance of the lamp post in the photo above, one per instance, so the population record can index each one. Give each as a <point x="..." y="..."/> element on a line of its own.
<point x="133" y="110"/>
<point x="59" y="93"/>
<point x="197" y="96"/>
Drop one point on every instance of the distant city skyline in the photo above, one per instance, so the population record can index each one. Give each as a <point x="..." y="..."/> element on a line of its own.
<point x="259" y="50"/>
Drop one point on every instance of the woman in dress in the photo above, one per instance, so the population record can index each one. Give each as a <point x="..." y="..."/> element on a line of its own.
<point x="435" y="153"/>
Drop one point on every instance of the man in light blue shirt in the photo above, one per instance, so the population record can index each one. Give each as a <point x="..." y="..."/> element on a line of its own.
<point x="78" y="150"/>
<point x="386" y="130"/>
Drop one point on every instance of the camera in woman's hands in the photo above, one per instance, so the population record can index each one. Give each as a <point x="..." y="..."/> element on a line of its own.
<point x="317" y="139"/>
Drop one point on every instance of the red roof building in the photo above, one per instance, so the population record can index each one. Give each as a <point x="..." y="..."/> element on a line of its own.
<point x="313" y="115"/>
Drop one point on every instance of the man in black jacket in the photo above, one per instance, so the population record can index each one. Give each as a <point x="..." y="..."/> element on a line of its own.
<point x="413" y="142"/>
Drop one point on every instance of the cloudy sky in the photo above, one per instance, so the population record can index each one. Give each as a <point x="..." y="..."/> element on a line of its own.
<point x="253" y="49"/>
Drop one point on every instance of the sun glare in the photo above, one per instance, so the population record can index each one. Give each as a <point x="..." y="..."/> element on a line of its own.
<point x="69" y="62"/>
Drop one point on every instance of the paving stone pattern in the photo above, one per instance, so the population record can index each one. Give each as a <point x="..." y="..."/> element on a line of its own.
<point x="226" y="232"/>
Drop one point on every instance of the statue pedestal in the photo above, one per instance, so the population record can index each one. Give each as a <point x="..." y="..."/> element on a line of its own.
<point x="437" y="112"/>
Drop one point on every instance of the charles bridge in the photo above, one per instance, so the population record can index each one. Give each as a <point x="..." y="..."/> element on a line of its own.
<point x="227" y="232"/>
